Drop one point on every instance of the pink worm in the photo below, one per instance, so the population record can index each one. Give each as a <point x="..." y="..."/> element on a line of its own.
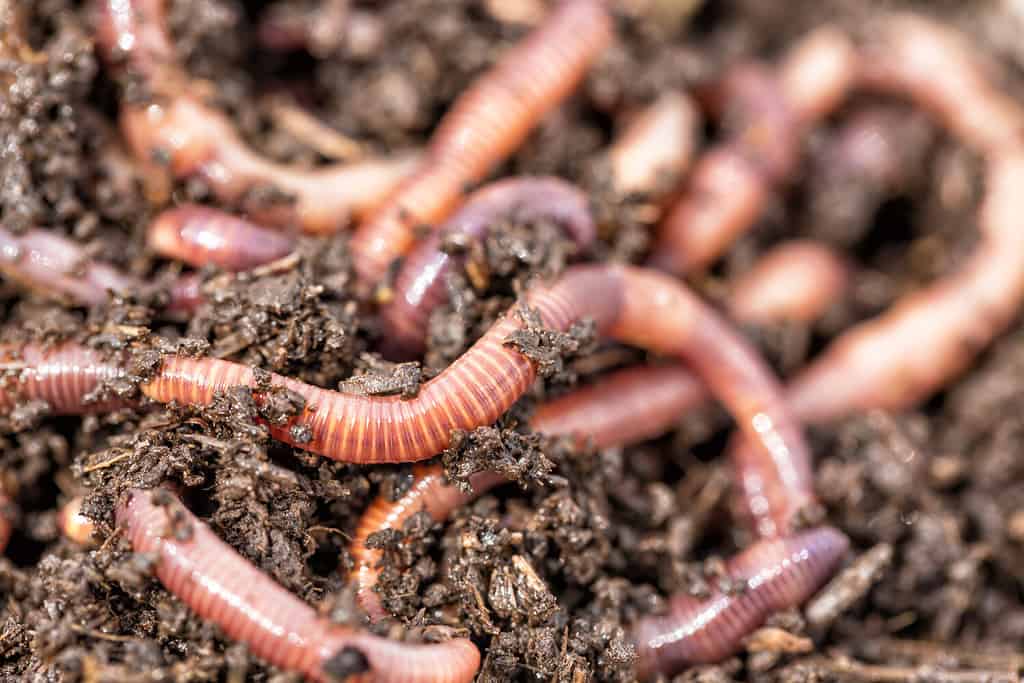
<point x="731" y="183"/>
<point x="198" y="140"/>
<point x="201" y="236"/>
<point x="630" y="304"/>
<point x="795" y="280"/>
<point x="44" y="261"/>
<point x="483" y="127"/>
<point x="226" y="589"/>
<point x="421" y="283"/>
<point x="656" y="147"/>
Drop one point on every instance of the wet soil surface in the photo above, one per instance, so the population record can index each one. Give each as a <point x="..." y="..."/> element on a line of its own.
<point x="543" y="574"/>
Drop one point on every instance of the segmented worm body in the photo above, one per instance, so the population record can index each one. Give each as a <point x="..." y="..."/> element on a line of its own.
<point x="421" y="285"/>
<point x="795" y="280"/>
<point x="65" y="377"/>
<point x="200" y="236"/>
<point x="484" y="125"/>
<point x="223" y="587"/>
<point x="773" y="574"/>
<point x="654" y="150"/>
<point x="731" y="182"/>
<point x="195" y="139"/>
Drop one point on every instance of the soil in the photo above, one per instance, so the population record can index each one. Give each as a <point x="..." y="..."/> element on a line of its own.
<point x="546" y="574"/>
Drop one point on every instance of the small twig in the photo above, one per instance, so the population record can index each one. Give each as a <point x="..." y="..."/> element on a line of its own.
<point x="849" y="669"/>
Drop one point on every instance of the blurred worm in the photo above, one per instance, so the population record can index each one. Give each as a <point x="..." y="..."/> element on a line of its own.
<point x="795" y="280"/>
<point x="731" y="182"/>
<point x="484" y="125"/>
<point x="632" y="305"/>
<point x="195" y="139"/>
<point x="46" y="262"/>
<point x="421" y="285"/>
<point x="201" y="236"/>
<point x="655" y="148"/>
<point x="226" y="589"/>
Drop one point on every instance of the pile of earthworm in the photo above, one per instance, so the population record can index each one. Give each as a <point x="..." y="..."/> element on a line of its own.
<point x="404" y="209"/>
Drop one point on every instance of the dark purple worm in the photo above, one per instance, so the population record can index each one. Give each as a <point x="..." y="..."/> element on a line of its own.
<point x="421" y="283"/>
<point x="224" y="588"/>
<point x="774" y="574"/>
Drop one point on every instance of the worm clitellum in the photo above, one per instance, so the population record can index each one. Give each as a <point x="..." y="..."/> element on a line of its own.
<point x="421" y="284"/>
<point x="198" y="140"/>
<point x="221" y="586"/>
<point x="200" y="236"/>
<point x="482" y="128"/>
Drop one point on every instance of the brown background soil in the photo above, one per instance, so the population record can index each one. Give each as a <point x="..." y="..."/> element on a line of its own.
<point x="606" y="534"/>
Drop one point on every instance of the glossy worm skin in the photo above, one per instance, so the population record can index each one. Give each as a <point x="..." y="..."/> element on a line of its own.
<point x="43" y="261"/>
<point x="226" y="589"/>
<point x="483" y="127"/>
<point x="421" y="285"/>
<point x="63" y="377"/>
<point x="775" y="574"/>
<point x="795" y="280"/>
<point x="654" y="149"/>
<point x="198" y="140"/>
<point x="201" y="236"/>
<point x="731" y="182"/>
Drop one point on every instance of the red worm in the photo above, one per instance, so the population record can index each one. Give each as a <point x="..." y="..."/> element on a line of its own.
<point x="796" y="280"/>
<point x="731" y="183"/>
<point x="632" y="305"/>
<point x="226" y="589"/>
<point x="198" y="140"/>
<point x="200" y="236"/>
<point x="483" y="127"/>
<point x="654" y="150"/>
<point x="773" y="574"/>
<point x="421" y="285"/>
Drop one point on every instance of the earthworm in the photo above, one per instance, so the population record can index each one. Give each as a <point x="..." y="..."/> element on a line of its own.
<point x="731" y="182"/>
<point x="795" y="280"/>
<point x="421" y="284"/>
<point x="630" y="304"/>
<point x="6" y="527"/>
<point x="483" y="126"/>
<point x="75" y="526"/>
<point x="200" y="236"/>
<point x="626" y="407"/>
<point x="195" y="139"/>
<point x="65" y="377"/>
<point x="44" y="261"/>
<point x="226" y="589"/>
<point x="934" y="66"/>
<point x="930" y="335"/>
<point x="319" y="29"/>
<point x="655" y="148"/>
<point x="772" y="574"/>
